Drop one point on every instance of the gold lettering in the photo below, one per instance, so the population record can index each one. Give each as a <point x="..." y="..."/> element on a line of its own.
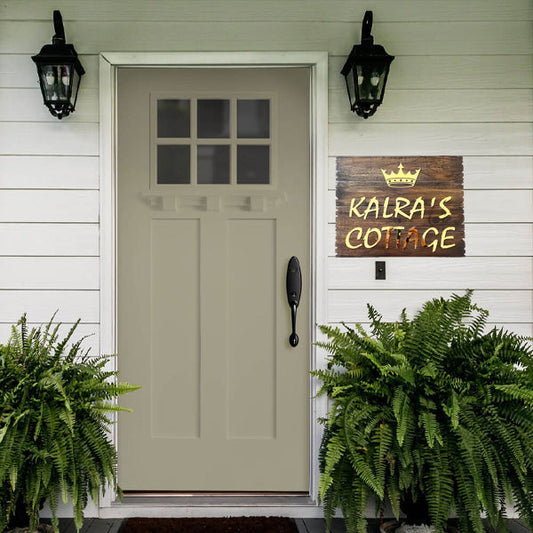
<point x="353" y="208"/>
<point x="367" y="235"/>
<point x="385" y="207"/>
<point x="373" y="206"/>
<point x="445" y="237"/>
<point x="412" y="232"/>
<point x="387" y="237"/>
<point x="398" y="208"/>
<point x="347" y="240"/>
<point x="389" y="229"/>
<point x="418" y="207"/>
<point x="433" y="244"/>
<point x="447" y="212"/>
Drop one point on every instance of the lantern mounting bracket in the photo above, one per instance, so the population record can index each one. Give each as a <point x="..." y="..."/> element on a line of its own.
<point x="59" y="29"/>
<point x="366" y="37"/>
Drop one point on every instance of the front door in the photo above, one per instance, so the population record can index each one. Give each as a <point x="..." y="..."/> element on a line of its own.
<point x="213" y="200"/>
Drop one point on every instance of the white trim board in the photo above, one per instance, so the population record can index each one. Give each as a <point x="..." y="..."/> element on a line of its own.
<point x="318" y="64"/>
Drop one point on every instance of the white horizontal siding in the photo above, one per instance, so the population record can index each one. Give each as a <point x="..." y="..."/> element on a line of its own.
<point x="41" y="305"/>
<point x="18" y="71"/>
<point x="452" y="72"/>
<point x="407" y="38"/>
<point x="414" y="105"/>
<point x="49" y="273"/>
<point x="23" y="239"/>
<point x="48" y="206"/>
<point x="26" y="105"/>
<point x="498" y="172"/>
<point x="498" y="206"/>
<point x="371" y="138"/>
<point x="350" y="305"/>
<point x="502" y="273"/>
<point x="48" y="172"/>
<point x="272" y="10"/>
<point x="42" y="138"/>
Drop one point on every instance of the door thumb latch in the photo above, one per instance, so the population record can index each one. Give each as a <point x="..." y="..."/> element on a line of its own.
<point x="294" y="291"/>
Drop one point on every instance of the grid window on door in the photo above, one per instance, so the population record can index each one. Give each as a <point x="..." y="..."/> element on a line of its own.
<point x="212" y="141"/>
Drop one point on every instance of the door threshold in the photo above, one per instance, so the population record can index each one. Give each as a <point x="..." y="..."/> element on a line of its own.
<point x="173" y="499"/>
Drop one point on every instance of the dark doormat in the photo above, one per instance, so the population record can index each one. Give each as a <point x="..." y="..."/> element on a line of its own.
<point x="253" y="524"/>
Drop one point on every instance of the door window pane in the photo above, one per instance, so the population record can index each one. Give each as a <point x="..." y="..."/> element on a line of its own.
<point x="213" y="119"/>
<point x="173" y="164"/>
<point x="253" y="164"/>
<point x="213" y="164"/>
<point x="173" y="118"/>
<point x="253" y="119"/>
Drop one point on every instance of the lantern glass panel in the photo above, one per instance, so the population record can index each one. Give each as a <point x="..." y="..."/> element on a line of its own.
<point x="370" y="82"/>
<point x="75" y="86"/>
<point x="57" y="82"/>
<point x="350" y="87"/>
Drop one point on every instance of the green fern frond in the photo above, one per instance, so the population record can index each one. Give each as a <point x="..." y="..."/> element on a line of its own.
<point x="429" y="405"/>
<point x="54" y="432"/>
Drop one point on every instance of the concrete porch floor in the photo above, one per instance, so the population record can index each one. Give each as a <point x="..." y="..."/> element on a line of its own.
<point x="305" y="525"/>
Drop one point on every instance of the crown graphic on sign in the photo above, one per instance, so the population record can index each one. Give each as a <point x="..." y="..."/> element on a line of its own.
<point x="401" y="178"/>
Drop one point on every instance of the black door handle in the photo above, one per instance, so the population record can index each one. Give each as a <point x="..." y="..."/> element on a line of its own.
<point x="294" y="291"/>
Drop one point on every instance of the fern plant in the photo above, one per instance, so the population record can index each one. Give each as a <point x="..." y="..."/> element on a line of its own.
<point x="55" y="408"/>
<point x="430" y="414"/>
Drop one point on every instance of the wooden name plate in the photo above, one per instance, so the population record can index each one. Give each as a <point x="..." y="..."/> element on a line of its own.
<point x="400" y="206"/>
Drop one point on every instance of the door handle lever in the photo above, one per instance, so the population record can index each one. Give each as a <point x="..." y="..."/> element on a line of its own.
<point x="294" y="291"/>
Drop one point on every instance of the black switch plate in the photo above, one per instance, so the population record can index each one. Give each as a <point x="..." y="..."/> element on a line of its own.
<point x="381" y="272"/>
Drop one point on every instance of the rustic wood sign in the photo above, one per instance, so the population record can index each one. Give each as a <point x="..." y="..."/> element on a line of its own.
<point x="400" y="206"/>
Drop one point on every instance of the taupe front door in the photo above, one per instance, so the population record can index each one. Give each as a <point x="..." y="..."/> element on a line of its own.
<point x="213" y="200"/>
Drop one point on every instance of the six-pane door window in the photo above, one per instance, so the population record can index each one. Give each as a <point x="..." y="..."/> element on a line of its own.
<point x="213" y="141"/>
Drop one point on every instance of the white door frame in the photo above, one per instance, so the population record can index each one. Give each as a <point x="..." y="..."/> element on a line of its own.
<point x="318" y="65"/>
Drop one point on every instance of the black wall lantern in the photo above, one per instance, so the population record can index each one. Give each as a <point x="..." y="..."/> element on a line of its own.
<point x="366" y="71"/>
<point x="60" y="72"/>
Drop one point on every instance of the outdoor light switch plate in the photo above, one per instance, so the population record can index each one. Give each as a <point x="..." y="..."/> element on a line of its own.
<point x="380" y="270"/>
